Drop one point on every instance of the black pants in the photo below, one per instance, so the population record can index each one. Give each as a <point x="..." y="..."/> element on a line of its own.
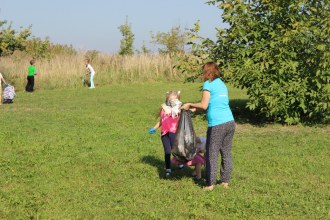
<point x="168" y="142"/>
<point x="30" y="84"/>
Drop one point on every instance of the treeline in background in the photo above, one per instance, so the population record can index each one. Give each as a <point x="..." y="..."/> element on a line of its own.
<point x="277" y="51"/>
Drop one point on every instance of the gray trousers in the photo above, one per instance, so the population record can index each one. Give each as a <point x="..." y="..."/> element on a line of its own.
<point x="219" y="140"/>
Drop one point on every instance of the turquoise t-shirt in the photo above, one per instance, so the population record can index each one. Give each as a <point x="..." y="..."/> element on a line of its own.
<point x="218" y="111"/>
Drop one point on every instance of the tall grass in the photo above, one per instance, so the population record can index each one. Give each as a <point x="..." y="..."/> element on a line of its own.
<point x="66" y="70"/>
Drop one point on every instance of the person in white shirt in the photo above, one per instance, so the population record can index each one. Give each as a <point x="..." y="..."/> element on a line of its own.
<point x="1" y="80"/>
<point x="90" y="70"/>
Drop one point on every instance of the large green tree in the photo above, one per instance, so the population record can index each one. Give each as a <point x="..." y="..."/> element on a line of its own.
<point x="280" y="52"/>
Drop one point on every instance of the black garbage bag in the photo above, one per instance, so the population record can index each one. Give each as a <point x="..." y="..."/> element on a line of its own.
<point x="184" y="148"/>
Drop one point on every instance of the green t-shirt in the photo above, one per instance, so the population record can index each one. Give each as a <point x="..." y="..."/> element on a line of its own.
<point x="32" y="70"/>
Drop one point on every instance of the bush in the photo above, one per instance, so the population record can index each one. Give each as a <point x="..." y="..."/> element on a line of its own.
<point x="279" y="52"/>
<point x="11" y="40"/>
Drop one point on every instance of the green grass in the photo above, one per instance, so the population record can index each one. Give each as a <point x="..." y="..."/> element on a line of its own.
<point x="87" y="154"/>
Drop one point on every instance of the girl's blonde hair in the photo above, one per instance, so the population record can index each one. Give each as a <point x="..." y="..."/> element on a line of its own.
<point x="167" y="95"/>
<point x="172" y="92"/>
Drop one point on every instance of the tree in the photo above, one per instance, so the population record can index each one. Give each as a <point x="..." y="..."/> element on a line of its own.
<point x="279" y="52"/>
<point x="173" y="41"/>
<point x="126" y="44"/>
<point x="11" y="40"/>
<point x="144" y="49"/>
<point x="39" y="49"/>
<point x="190" y="63"/>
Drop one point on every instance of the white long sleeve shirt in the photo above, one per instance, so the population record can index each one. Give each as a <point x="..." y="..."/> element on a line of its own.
<point x="90" y="69"/>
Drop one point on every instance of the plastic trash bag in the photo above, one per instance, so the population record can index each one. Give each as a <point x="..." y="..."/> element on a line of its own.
<point x="185" y="148"/>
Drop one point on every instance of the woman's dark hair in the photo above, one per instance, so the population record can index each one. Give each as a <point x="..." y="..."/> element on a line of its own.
<point x="210" y="71"/>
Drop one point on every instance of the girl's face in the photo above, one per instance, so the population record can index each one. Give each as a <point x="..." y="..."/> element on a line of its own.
<point x="172" y="97"/>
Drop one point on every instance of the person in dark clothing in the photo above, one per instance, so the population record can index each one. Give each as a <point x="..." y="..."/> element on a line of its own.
<point x="32" y="71"/>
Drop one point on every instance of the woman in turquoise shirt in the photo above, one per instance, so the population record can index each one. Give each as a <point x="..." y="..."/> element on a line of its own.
<point x="221" y="125"/>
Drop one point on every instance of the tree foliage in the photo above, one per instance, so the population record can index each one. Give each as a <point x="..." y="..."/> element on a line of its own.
<point x="280" y="52"/>
<point x="144" y="49"/>
<point x="126" y="44"/>
<point x="11" y="40"/>
<point x="38" y="48"/>
<point x="200" y="52"/>
<point x="173" y="41"/>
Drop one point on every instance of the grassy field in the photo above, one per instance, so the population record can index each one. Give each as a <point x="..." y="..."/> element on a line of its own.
<point x="87" y="154"/>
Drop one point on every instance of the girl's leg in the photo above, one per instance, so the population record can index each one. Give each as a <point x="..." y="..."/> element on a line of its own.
<point x="92" y="81"/>
<point x="167" y="150"/>
<point x="198" y="169"/>
<point x="194" y="172"/>
<point x="172" y="138"/>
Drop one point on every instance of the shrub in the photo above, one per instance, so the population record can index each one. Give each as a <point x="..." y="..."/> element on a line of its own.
<point x="11" y="40"/>
<point x="279" y="52"/>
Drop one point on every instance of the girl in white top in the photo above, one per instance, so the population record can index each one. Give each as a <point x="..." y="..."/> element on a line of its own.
<point x="1" y="80"/>
<point x="90" y="70"/>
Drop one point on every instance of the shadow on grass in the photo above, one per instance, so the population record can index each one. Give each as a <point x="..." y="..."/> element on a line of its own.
<point x="176" y="174"/>
<point x="243" y="115"/>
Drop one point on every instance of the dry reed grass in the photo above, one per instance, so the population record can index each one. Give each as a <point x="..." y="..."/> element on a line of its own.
<point x="67" y="70"/>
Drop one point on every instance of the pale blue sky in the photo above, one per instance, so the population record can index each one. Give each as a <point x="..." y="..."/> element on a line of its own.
<point x="93" y="25"/>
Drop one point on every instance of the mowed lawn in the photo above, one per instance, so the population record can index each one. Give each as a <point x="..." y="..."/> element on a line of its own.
<point x="87" y="154"/>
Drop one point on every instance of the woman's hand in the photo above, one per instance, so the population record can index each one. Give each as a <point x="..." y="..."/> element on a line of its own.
<point x="186" y="106"/>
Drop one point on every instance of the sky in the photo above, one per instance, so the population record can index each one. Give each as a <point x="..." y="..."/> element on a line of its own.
<point x="93" y="25"/>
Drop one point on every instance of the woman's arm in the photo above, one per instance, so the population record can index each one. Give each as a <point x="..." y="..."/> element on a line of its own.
<point x="203" y="104"/>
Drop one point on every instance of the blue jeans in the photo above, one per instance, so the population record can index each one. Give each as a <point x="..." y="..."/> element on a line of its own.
<point x="92" y="81"/>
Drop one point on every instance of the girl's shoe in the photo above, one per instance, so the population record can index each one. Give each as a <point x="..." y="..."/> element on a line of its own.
<point x="197" y="178"/>
<point x="168" y="172"/>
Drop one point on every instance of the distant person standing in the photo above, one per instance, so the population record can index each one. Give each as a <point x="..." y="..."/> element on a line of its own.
<point x="90" y="70"/>
<point x="4" y="82"/>
<point x="32" y="71"/>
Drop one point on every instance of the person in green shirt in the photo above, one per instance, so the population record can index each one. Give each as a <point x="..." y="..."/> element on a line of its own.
<point x="32" y="71"/>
